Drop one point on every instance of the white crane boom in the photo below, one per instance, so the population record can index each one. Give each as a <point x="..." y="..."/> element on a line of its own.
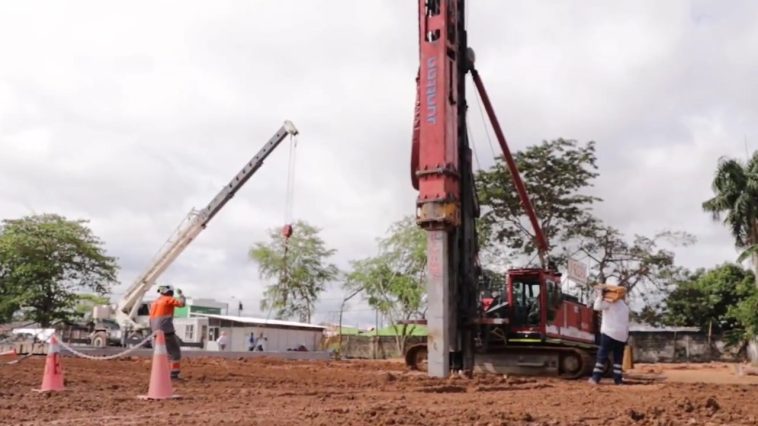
<point x="189" y="228"/>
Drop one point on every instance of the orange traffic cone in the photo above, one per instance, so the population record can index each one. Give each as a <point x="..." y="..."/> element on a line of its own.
<point x="160" y="374"/>
<point x="52" y="380"/>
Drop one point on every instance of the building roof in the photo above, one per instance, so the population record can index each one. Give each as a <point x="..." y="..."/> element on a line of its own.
<point x="262" y="321"/>
<point x="397" y="330"/>
<point x="349" y="331"/>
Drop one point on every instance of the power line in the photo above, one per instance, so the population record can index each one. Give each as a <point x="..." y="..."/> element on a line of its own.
<point x="478" y="164"/>
<point x="484" y="125"/>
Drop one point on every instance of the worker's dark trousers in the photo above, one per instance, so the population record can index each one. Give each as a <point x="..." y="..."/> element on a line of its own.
<point x="174" y="353"/>
<point x="609" y="346"/>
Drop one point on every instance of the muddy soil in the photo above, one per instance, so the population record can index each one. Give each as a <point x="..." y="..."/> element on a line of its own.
<point x="278" y="392"/>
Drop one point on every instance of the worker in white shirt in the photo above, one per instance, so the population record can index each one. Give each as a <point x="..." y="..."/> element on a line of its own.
<point x="614" y="330"/>
<point x="222" y="341"/>
<point x="251" y="342"/>
<point x="262" y="342"/>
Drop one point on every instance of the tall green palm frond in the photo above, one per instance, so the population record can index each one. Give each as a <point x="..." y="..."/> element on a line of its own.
<point x="735" y="188"/>
<point x="750" y="252"/>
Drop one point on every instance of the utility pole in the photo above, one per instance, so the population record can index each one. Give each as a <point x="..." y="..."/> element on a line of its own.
<point x="342" y="308"/>
<point x="376" y="332"/>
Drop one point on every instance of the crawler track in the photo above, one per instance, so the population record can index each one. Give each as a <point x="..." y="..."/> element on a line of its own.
<point x="564" y="362"/>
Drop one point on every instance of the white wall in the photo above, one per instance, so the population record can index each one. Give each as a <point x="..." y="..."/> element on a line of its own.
<point x="180" y="324"/>
<point x="279" y="339"/>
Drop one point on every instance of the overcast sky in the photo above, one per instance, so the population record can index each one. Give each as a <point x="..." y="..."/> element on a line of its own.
<point x="129" y="114"/>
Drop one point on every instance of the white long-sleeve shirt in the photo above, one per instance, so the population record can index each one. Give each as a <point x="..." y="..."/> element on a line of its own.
<point x="615" y="322"/>
<point x="222" y="340"/>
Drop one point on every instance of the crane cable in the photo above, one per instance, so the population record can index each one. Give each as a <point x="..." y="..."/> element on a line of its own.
<point x="290" y="191"/>
<point x="484" y="125"/>
<point x="287" y="228"/>
<point x="288" y="208"/>
<point x="286" y="231"/>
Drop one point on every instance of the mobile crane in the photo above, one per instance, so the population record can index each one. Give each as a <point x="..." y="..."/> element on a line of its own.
<point x="128" y="322"/>
<point x="530" y="327"/>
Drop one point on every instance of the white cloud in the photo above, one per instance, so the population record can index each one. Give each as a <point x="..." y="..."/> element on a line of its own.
<point x="131" y="114"/>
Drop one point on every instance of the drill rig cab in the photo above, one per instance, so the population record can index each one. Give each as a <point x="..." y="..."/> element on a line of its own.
<point x="526" y="325"/>
<point x="527" y="298"/>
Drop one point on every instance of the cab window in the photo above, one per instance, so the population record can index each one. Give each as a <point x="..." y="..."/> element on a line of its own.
<point x="526" y="295"/>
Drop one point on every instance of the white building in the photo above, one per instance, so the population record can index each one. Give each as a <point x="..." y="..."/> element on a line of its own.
<point x="281" y="335"/>
<point x="192" y="329"/>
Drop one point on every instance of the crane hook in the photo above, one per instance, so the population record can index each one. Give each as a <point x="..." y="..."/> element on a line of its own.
<point x="287" y="231"/>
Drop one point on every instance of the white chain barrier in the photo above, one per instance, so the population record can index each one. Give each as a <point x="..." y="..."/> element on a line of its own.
<point x="17" y="360"/>
<point x="108" y="357"/>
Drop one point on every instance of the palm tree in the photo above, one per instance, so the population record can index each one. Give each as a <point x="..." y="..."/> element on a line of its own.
<point x="750" y="252"/>
<point x="736" y="194"/>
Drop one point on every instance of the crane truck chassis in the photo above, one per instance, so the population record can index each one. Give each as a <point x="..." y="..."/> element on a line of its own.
<point x="127" y="323"/>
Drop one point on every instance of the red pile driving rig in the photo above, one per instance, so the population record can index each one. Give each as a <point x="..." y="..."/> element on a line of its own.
<point x="524" y="325"/>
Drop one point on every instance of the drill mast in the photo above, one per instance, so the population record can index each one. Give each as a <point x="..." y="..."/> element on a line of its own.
<point x="442" y="172"/>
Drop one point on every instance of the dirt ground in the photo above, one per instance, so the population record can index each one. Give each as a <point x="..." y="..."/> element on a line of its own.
<point x="278" y="392"/>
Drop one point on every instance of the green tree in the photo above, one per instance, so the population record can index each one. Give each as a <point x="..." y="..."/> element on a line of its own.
<point x="299" y="269"/>
<point x="749" y="253"/>
<point x="642" y="265"/>
<point x="393" y="281"/>
<point x="736" y="199"/>
<point x="746" y="312"/>
<point x="44" y="261"/>
<point x="706" y="298"/>
<point x="555" y="173"/>
<point x="649" y="314"/>
<point x="490" y="281"/>
<point x="87" y="302"/>
<point x="735" y="188"/>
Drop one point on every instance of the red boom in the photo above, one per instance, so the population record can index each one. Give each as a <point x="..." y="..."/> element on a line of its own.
<point x="526" y="203"/>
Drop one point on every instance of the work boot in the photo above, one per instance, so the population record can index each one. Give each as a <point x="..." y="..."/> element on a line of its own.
<point x="592" y="381"/>
<point x="175" y="376"/>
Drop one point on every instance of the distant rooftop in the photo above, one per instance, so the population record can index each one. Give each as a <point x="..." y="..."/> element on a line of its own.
<point x="397" y="330"/>
<point x="262" y="321"/>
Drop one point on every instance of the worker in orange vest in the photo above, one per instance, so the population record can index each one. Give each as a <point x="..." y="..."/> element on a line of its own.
<point x="162" y="318"/>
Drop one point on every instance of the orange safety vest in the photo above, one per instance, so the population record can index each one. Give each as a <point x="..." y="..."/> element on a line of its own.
<point x="162" y="313"/>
